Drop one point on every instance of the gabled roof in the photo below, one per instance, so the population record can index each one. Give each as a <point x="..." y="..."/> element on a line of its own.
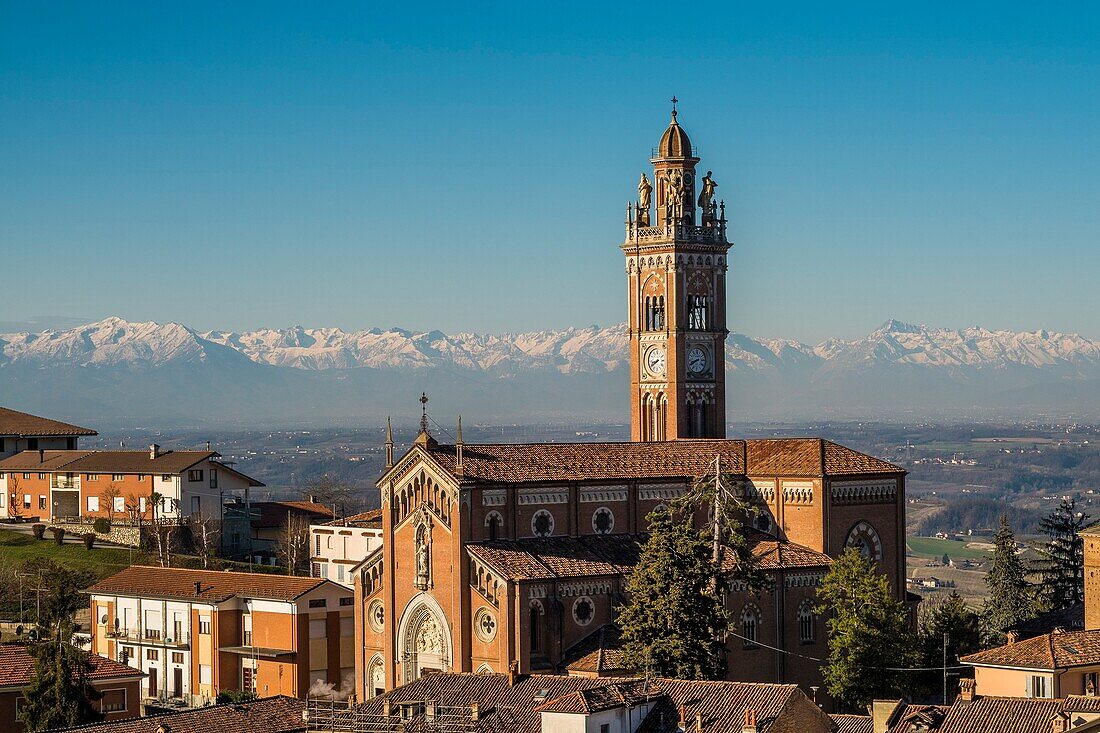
<point x="1057" y="650"/>
<point x="17" y="665"/>
<point x="677" y="460"/>
<point x="853" y="723"/>
<point x="269" y="715"/>
<point x="772" y="553"/>
<point x="599" y="653"/>
<point x="597" y="699"/>
<point x="722" y="706"/>
<point x="15" y="423"/>
<point x="214" y="586"/>
<point x="1001" y="715"/>
<point x="113" y="461"/>
<point x="273" y="513"/>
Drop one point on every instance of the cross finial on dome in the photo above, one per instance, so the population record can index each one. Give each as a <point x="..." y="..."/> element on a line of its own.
<point x="674" y="101"/>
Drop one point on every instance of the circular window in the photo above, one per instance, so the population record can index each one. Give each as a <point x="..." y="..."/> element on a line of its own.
<point x="542" y="523"/>
<point x="603" y="521"/>
<point x="485" y="626"/>
<point x="376" y="616"/>
<point x="764" y="521"/>
<point x="583" y="610"/>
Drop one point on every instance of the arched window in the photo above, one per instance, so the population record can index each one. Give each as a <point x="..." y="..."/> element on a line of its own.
<point x="494" y="522"/>
<point x="807" y="622"/>
<point x="750" y="619"/>
<point x="648" y="313"/>
<point x="536" y="626"/>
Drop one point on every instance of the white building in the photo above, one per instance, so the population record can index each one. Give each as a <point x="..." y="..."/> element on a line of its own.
<point x="339" y="545"/>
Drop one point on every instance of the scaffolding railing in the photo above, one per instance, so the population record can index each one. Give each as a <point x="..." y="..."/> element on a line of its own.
<point x="426" y="716"/>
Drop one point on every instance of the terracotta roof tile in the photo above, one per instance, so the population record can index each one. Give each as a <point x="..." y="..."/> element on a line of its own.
<point x="112" y="461"/>
<point x="268" y="715"/>
<point x="599" y="653"/>
<point x="540" y="558"/>
<point x="13" y="422"/>
<point x="215" y="586"/>
<point x="853" y="723"/>
<point x="16" y="666"/>
<point x="772" y="553"/>
<point x="671" y="460"/>
<point x="1001" y="715"/>
<point x="598" y="699"/>
<point x="273" y="513"/>
<point x="1048" y="651"/>
<point x="373" y="518"/>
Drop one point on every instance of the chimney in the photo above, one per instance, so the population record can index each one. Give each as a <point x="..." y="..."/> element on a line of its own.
<point x="699" y="723"/>
<point x="882" y="714"/>
<point x="41" y="456"/>
<point x="748" y="727"/>
<point x="154" y="452"/>
<point x="474" y="710"/>
<point x="682" y="725"/>
<point x="1059" y="629"/>
<point x="429" y="711"/>
<point x="513" y="673"/>
<point x="389" y="444"/>
<point x="966" y="689"/>
<point x="1059" y="723"/>
<point x="1012" y="637"/>
<point x="198" y="588"/>
<point x="386" y="708"/>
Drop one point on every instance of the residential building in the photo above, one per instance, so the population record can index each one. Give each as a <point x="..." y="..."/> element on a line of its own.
<point x="122" y="484"/>
<point x="269" y="520"/>
<point x="119" y="684"/>
<point x="197" y="632"/>
<point x="500" y="554"/>
<point x="973" y="713"/>
<point x="1050" y="665"/>
<point x="340" y="545"/>
<point x="278" y="714"/>
<point x="20" y="431"/>
<point x="560" y="704"/>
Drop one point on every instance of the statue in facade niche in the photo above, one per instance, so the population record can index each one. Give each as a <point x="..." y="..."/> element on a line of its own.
<point x="423" y="560"/>
<point x="674" y="196"/>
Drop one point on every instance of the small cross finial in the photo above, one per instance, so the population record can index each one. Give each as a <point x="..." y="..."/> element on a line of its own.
<point x="423" y="412"/>
<point x="674" y="101"/>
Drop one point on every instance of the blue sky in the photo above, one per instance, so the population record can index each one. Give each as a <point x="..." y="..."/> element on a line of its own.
<point x="466" y="167"/>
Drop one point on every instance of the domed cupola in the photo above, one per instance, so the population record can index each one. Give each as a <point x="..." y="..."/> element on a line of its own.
<point x="675" y="142"/>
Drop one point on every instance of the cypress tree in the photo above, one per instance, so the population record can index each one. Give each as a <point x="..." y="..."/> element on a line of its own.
<point x="1010" y="598"/>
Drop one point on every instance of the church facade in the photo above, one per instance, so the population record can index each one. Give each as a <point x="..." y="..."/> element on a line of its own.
<point x="514" y="556"/>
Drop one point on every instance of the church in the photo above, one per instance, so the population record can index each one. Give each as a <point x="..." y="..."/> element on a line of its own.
<point x="499" y="557"/>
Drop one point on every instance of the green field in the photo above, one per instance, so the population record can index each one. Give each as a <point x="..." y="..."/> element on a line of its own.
<point x="101" y="560"/>
<point x="932" y="547"/>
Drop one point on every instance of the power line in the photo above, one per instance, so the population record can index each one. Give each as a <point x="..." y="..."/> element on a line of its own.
<point x="818" y="659"/>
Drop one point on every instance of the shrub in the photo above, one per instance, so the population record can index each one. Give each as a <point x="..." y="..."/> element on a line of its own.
<point x="89" y="540"/>
<point x="234" y="696"/>
<point x="101" y="525"/>
<point x="39" y="531"/>
<point x="58" y="534"/>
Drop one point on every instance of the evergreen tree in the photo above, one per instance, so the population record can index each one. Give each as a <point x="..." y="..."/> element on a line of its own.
<point x="674" y="622"/>
<point x="1010" y="598"/>
<point x="1062" y="563"/>
<point x="947" y="631"/>
<point x="868" y="632"/>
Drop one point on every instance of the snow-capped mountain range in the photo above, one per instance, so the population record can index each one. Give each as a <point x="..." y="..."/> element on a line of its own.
<point x="896" y="367"/>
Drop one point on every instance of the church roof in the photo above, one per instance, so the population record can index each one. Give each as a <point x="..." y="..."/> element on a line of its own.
<point x="675" y="142"/>
<point x="551" y="558"/>
<point x="668" y="460"/>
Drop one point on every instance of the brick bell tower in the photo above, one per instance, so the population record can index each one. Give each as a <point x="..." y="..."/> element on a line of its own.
<point x="676" y="275"/>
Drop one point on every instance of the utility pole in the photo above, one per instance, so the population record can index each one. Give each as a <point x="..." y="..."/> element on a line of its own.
<point x="945" y="668"/>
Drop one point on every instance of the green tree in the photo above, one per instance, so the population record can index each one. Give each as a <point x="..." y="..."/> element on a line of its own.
<point x="674" y="622"/>
<point x="1061" y="564"/>
<point x="868" y="632"/>
<point x="947" y="631"/>
<point x="1010" y="599"/>
<point x="60" y="694"/>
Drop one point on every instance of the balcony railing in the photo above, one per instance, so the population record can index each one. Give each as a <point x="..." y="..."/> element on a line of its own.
<point x="149" y="637"/>
<point x="64" y="482"/>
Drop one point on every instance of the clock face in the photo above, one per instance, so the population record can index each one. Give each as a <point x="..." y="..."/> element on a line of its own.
<point x="697" y="360"/>
<point x="655" y="360"/>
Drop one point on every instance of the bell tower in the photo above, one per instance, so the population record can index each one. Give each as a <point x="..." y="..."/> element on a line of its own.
<point x="676" y="276"/>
